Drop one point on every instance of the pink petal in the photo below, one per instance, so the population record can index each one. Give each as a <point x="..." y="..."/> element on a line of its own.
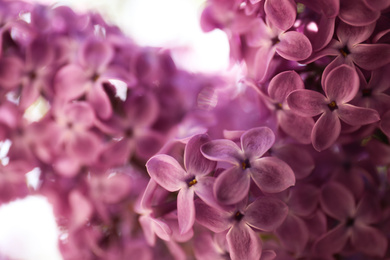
<point x="385" y="123"/>
<point x="272" y="175"/>
<point x="281" y="13"/>
<point x="142" y="109"/>
<point x="222" y="150"/>
<point x="100" y="102"/>
<point x="356" y="13"/>
<point x="331" y="242"/>
<point x="80" y="114"/>
<point x="195" y="163"/>
<point x="166" y="171"/>
<point x="258" y="34"/>
<point x="232" y="185"/>
<point x="303" y="199"/>
<point x="266" y="213"/>
<point x="204" y="190"/>
<point x="39" y="54"/>
<point x="294" y="46"/>
<point x="153" y="226"/>
<point x="370" y="56"/>
<point x="337" y="201"/>
<point x="319" y="39"/>
<point x="352" y="35"/>
<point x="306" y="103"/>
<point x="293" y="234"/>
<point x="85" y="146"/>
<point x="261" y="62"/>
<point x="256" y="141"/>
<point x="96" y="54"/>
<point x="342" y="84"/>
<point x="148" y="143"/>
<point x="357" y="116"/>
<point x="29" y="95"/>
<point x="369" y="240"/>
<point x="214" y="219"/>
<point x="326" y="131"/>
<point x="71" y="82"/>
<point x="377" y="4"/>
<point x="185" y="209"/>
<point x="243" y="242"/>
<point x="299" y="159"/>
<point x="81" y="209"/>
<point x="282" y="84"/>
<point x="368" y="210"/>
<point x="268" y="255"/>
<point x="11" y="72"/>
<point x="296" y="126"/>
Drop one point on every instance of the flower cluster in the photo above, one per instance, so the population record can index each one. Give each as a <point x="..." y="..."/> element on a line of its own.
<point x="143" y="160"/>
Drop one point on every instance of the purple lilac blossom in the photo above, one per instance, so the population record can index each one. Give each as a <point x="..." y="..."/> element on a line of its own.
<point x="286" y="157"/>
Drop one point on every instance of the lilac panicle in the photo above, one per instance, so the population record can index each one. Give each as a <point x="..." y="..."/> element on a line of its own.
<point x="133" y="153"/>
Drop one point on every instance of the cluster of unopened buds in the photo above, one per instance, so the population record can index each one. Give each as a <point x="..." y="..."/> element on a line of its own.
<point x="143" y="160"/>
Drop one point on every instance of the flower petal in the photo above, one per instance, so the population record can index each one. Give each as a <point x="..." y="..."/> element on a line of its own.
<point x="281" y="13"/>
<point x="296" y="126"/>
<point x="71" y="82"/>
<point x="85" y="147"/>
<point x="294" y="46"/>
<point x="166" y="171"/>
<point x="303" y="199"/>
<point x="243" y="242"/>
<point x="96" y="54"/>
<point x="331" y="242"/>
<point x="352" y="35"/>
<point x="341" y="84"/>
<point x="337" y="201"/>
<point x="232" y="185"/>
<point x="266" y="213"/>
<point x="222" y="150"/>
<point x="370" y="56"/>
<point x="204" y="189"/>
<point x="357" y="116"/>
<point x="100" y="102"/>
<point x="282" y="84"/>
<point x="299" y="159"/>
<point x="293" y="234"/>
<point x="256" y="141"/>
<point x="194" y="160"/>
<point x="325" y="131"/>
<point x="185" y="209"/>
<point x="79" y="114"/>
<point x="272" y="174"/>
<point x="214" y="219"/>
<point x="306" y="103"/>
<point x="369" y="240"/>
<point x="356" y="13"/>
<point x="11" y="72"/>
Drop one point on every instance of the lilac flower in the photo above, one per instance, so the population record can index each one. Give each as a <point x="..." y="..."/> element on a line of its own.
<point x="340" y="87"/>
<point x="191" y="180"/>
<point x="279" y="88"/>
<point x="267" y="40"/>
<point x="270" y="174"/>
<point x="373" y="93"/>
<point x="75" y="80"/>
<point x="355" y="223"/>
<point x="350" y="49"/>
<point x="265" y="213"/>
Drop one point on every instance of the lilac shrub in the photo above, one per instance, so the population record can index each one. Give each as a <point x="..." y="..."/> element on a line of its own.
<point x="286" y="158"/>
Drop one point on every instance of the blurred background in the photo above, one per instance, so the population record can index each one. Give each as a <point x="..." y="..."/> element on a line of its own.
<point x="28" y="228"/>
